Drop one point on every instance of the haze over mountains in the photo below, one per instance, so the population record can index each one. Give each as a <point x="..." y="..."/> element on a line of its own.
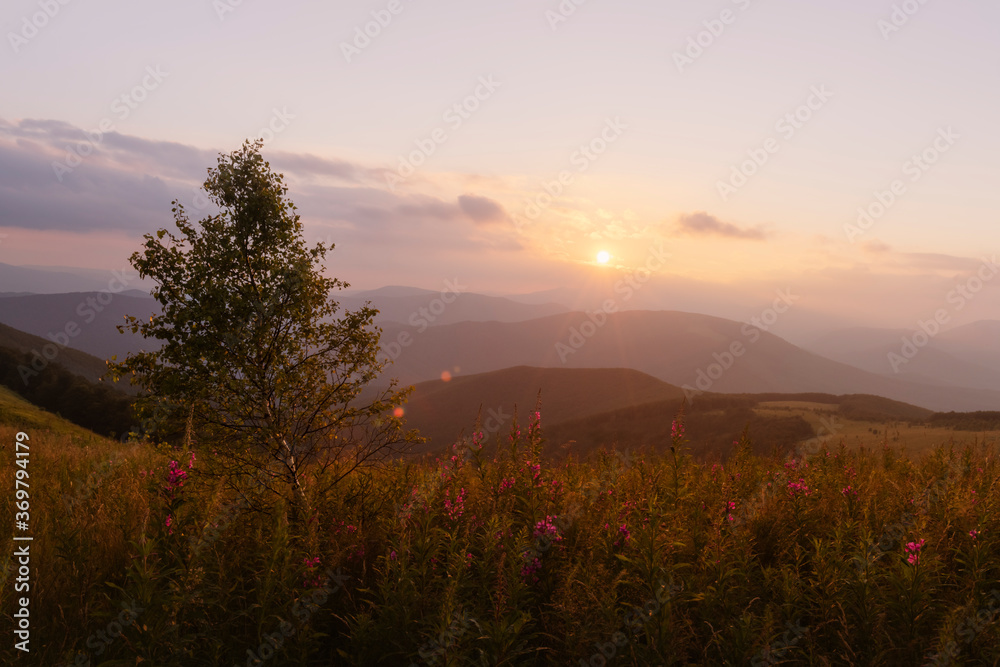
<point x="428" y="333"/>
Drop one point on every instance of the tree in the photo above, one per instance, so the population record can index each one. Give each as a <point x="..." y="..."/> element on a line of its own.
<point x="252" y="351"/>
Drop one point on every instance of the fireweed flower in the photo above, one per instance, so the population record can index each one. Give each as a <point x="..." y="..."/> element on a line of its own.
<point x="623" y="536"/>
<point x="454" y="508"/>
<point x="913" y="548"/>
<point x="849" y="492"/>
<point x="311" y="578"/>
<point x="974" y="534"/>
<point x="176" y="476"/>
<point x="169" y="523"/>
<point x="798" y="488"/>
<point x="531" y="568"/>
<point x="545" y="529"/>
<point x="676" y="430"/>
<point x="545" y="533"/>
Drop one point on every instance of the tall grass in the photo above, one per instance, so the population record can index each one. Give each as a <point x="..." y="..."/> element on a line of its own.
<point x="507" y="558"/>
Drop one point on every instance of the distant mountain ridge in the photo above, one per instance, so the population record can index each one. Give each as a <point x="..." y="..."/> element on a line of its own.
<point x="683" y="349"/>
<point x="425" y="308"/>
<point x="429" y="332"/>
<point x="93" y="316"/>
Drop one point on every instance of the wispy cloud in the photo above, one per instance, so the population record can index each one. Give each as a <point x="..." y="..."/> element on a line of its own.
<point x="703" y="224"/>
<point x="482" y="210"/>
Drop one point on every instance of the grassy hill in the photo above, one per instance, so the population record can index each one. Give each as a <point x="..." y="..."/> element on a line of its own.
<point x="101" y="407"/>
<point x="21" y="415"/>
<point x="77" y="362"/>
<point x="442" y="410"/>
<point x="584" y="410"/>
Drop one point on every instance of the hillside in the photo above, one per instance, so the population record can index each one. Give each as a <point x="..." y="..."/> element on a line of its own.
<point x="586" y="409"/>
<point x="959" y="357"/>
<point x="441" y="410"/>
<point x="95" y="322"/>
<point x="19" y="414"/>
<point x="677" y="348"/>
<point x="73" y="360"/>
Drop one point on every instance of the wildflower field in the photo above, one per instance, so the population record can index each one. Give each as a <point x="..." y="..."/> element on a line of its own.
<point x="496" y="556"/>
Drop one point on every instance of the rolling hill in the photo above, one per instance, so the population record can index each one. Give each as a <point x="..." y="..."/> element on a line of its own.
<point x="586" y="409"/>
<point x="442" y="409"/>
<point x="92" y="315"/>
<point x="75" y="361"/>
<point x="682" y="349"/>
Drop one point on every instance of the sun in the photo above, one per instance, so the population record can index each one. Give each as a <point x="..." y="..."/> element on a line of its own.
<point x="603" y="257"/>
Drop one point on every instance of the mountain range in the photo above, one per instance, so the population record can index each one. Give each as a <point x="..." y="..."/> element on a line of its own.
<point x="451" y="333"/>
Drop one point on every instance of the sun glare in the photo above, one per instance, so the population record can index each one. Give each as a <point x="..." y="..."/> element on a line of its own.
<point x="603" y="257"/>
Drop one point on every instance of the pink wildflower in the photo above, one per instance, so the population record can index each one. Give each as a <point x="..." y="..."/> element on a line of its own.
<point x="311" y="577"/>
<point x="798" y="488"/>
<point x="913" y="548"/>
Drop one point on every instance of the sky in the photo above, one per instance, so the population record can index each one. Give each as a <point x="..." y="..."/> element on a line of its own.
<point x="504" y="145"/>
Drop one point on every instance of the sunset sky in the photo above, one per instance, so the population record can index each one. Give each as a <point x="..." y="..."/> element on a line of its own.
<point x="885" y="99"/>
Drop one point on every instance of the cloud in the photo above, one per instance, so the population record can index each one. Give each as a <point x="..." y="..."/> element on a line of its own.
<point x="875" y="247"/>
<point x="126" y="184"/>
<point x="703" y="224"/>
<point x="482" y="210"/>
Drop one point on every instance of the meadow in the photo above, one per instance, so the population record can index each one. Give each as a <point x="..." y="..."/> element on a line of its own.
<point x="495" y="555"/>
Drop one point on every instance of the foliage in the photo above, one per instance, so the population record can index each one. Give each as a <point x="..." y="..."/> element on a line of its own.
<point x="254" y="353"/>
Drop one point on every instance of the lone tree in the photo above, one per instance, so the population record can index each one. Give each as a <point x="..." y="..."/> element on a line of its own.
<point x="252" y="353"/>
